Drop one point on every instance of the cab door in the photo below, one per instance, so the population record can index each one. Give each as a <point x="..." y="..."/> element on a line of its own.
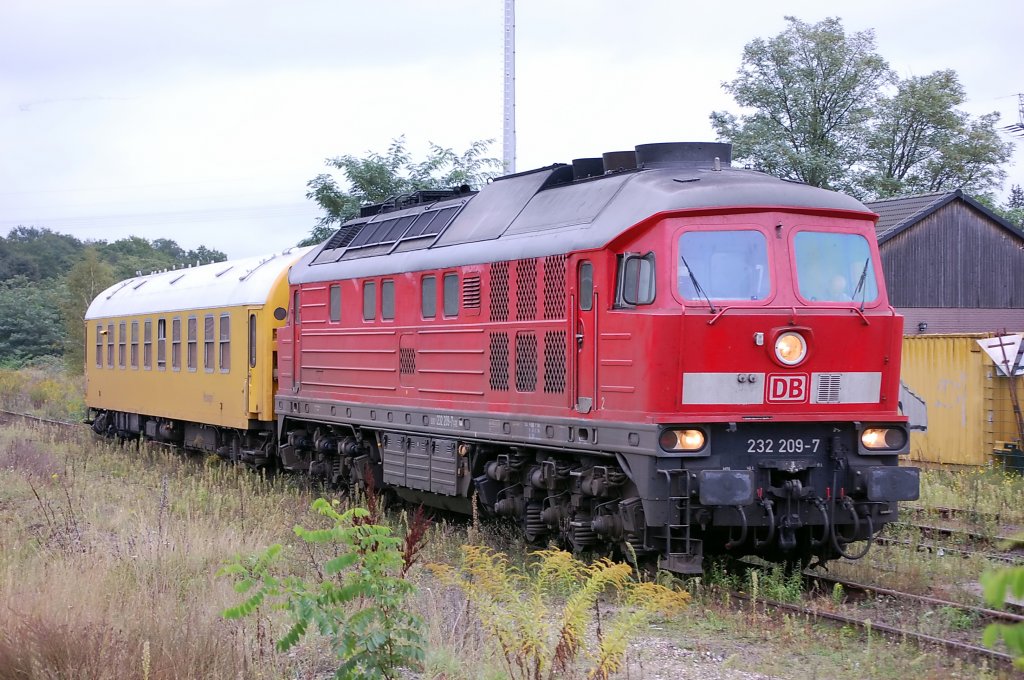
<point x="585" y="326"/>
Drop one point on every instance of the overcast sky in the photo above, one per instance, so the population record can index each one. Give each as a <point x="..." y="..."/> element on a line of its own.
<point x="202" y="120"/>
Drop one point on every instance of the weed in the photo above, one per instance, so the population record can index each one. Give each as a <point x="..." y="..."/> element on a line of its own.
<point x="360" y="601"/>
<point x="838" y="594"/>
<point x="539" y="616"/>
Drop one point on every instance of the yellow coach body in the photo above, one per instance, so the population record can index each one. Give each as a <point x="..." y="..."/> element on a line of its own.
<point x="194" y="344"/>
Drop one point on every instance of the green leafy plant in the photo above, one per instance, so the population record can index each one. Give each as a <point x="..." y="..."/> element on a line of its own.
<point x="359" y="601"/>
<point x="995" y="585"/>
<point x="539" y="616"/>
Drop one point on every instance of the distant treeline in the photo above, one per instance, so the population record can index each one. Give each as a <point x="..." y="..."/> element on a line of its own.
<point x="47" y="281"/>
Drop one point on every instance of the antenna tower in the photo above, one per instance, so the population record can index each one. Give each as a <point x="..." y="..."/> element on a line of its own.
<point x="509" y="136"/>
<point x="1018" y="127"/>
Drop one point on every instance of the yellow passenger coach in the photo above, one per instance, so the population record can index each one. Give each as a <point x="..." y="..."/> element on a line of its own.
<point x="188" y="356"/>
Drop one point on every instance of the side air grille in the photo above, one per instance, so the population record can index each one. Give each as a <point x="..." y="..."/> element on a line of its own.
<point x="526" y="361"/>
<point x="407" y="360"/>
<point x="499" y="291"/>
<point x="499" y="362"/>
<point x="471" y="292"/>
<point x="526" y="290"/>
<point x="554" y="287"/>
<point x="554" y="362"/>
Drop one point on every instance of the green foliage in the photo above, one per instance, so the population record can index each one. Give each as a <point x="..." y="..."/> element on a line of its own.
<point x="996" y="585"/>
<point x="1012" y="210"/>
<point x="378" y="177"/>
<point x="37" y="254"/>
<point x="822" y="115"/>
<point x="30" y="320"/>
<point x="359" y="603"/>
<point x="811" y="89"/>
<point x="539" y="616"/>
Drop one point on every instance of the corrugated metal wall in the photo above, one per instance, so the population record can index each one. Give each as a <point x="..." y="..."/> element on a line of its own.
<point x="968" y="404"/>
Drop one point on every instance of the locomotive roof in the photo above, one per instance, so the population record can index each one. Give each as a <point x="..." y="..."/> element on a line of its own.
<point x="544" y="212"/>
<point x="245" y="281"/>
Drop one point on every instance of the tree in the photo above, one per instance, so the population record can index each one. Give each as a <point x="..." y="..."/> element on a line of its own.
<point x="135" y="254"/>
<point x="378" y="177"/>
<point x="1012" y="210"/>
<point x="37" y="253"/>
<point x="811" y="89"/>
<point x="87" y="279"/>
<point x="1015" y="201"/>
<point x="920" y="142"/>
<point x="30" y="321"/>
<point x="829" y="112"/>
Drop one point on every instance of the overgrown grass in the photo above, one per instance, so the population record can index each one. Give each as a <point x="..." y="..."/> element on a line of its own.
<point x="43" y="389"/>
<point x="986" y="491"/>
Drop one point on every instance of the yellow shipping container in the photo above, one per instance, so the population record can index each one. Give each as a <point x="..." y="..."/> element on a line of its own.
<point x="969" y="407"/>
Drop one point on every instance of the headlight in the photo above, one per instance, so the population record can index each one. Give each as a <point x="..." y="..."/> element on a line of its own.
<point x="883" y="438"/>
<point x="682" y="440"/>
<point x="790" y="348"/>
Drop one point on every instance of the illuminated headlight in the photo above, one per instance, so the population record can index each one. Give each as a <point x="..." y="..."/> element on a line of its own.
<point x="883" y="438"/>
<point x="682" y="440"/>
<point x="790" y="348"/>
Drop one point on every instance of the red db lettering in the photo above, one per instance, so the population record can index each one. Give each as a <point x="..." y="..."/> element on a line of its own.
<point x="787" y="387"/>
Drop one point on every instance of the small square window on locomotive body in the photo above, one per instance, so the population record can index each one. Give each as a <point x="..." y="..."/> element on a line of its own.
<point x="335" y="303"/>
<point x="428" y="290"/>
<point x="387" y="299"/>
<point x="451" y="294"/>
<point x="369" y="300"/>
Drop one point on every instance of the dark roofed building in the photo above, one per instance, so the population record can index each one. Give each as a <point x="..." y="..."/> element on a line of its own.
<point x="951" y="264"/>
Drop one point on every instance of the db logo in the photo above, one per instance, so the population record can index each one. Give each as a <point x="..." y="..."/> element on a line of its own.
<point x="788" y="387"/>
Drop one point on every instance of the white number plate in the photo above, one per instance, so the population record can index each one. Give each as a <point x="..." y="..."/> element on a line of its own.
<point x="783" y="445"/>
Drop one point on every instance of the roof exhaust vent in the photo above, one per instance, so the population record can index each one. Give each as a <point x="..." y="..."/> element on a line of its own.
<point x="684" y="154"/>
<point x="587" y="167"/>
<point x="617" y="161"/>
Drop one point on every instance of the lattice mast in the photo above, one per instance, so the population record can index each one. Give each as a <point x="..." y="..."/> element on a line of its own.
<point x="509" y="132"/>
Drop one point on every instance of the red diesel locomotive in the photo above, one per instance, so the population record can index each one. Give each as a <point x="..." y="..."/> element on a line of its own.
<point x="651" y="348"/>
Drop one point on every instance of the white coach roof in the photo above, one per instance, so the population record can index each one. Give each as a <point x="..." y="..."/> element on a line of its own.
<point x="247" y="281"/>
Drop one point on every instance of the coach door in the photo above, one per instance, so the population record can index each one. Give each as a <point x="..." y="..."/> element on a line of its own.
<point x="586" y="340"/>
<point x="253" y="392"/>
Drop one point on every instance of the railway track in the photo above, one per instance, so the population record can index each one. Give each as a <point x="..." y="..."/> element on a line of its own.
<point x="8" y="416"/>
<point x="856" y="594"/>
<point x="943" y="541"/>
<point x="962" y="514"/>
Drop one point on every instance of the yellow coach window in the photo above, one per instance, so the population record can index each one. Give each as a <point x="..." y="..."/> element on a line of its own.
<point x="161" y="344"/>
<point x="208" y="340"/>
<point x="224" y="348"/>
<point x="176" y="344"/>
<point x="99" y="345"/>
<point x="147" y="344"/>
<point x="193" y="346"/>
<point x="122" y="343"/>
<point x="110" y="345"/>
<point x="135" y="344"/>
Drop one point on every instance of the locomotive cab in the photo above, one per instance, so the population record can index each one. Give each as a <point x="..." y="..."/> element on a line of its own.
<point x="783" y="437"/>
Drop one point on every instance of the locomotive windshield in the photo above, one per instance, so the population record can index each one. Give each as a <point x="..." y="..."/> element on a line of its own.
<point x="726" y="265"/>
<point x="834" y="267"/>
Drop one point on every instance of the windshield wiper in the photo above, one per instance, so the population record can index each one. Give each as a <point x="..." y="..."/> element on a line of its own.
<point x="860" y="284"/>
<point x="696" y="285"/>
